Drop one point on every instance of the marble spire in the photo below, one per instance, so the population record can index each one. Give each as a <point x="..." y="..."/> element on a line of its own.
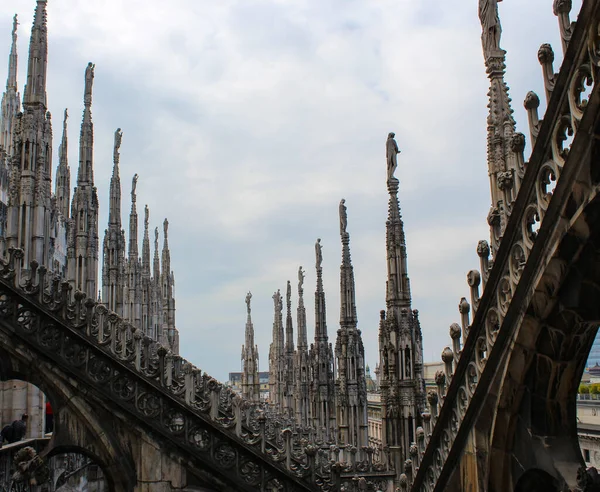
<point x="63" y="174"/>
<point x="35" y="87"/>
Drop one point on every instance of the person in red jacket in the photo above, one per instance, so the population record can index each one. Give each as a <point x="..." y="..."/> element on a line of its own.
<point x="49" y="418"/>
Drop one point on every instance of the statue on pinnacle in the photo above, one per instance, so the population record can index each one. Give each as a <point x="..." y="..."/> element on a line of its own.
<point x="490" y="25"/>
<point x="117" y="145"/>
<point x="248" y="298"/>
<point x="318" y="253"/>
<point x="391" y="150"/>
<point x="343" y="217"/>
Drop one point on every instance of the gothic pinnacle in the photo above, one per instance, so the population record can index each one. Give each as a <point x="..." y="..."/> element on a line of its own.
<point x="85" y="173"/>
<point x="11" y="81"/>
<point x="114" y="213"/>
<point x="146" y="244"/>
<point x="35" y="88"/>
<point x="301" y="316"/>
<point x="133" y="223"/>
<point x="289" y="328"/>
<point x="320" y="312"/>
<point x="347" y="286"/>
<point x="63" y="173"/>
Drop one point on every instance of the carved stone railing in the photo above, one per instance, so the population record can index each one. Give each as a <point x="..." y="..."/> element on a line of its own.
<point x="573" y="101"/>
<point x="252" y="444"/>
<point x="163" y="391"/>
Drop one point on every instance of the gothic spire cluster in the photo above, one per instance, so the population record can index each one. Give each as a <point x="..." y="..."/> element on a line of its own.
<point x="61" y="232"/>
<point x="323" y="388"/>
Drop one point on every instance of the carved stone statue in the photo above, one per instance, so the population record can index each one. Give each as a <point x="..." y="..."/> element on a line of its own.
<point x="133" y="186"/>
<point x="300" y="278"/>
<point x="248" y="298"/>
<point x="146" y="216"/>
<point x="156" y="238"/>
<point x="89" y="79"/>
<point x="165" y="226"/>
<point x="490" y="25"/>
<point x="343" y="217"/>
<point x="391" y="150"/>
<point x="277" y="301"/>
<point x="14" y="29"/>
<point x="117" y="146"/>
<point x="318" y="253"/>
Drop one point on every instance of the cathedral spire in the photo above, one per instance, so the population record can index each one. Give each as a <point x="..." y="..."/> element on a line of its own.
<point x="351" y="397"/>
<point x="114" y="213"/>
<point x="35" y="88"/>
<point x="133" y="223"/>
<point x="63" y="174"/>
<point x="398" y="284"/>
<point x="348" y="320"/>
<point x="321" y="357"/>
<point x="11" y="100"/>
<point x="146" y="244"/>
<point x="85" y="173"/>
<point x="250" y="380"/>
<point x="277" y="354"/>
<point x="301" y="316"/>
<point x="503" y="168"/>
<point x="156" y="264"/>
<point x="320" y="314"/>
<point x="11" y="81"/>
<point x="166" y="254"/>
<point x="289" y="327"/>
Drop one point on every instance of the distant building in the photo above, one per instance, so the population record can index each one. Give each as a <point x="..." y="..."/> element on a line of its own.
<point x="235" y="383"/>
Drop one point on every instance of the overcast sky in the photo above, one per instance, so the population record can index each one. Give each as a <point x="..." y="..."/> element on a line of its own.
<point x="248" y="120"/>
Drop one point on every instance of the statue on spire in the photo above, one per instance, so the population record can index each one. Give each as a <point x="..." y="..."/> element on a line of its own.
<point x="300" y="278"/>
<point x="248" y="299"/>
<point x="133" y="186"/>
<point x="318" y="253"/>
<point x="89" y="80"/>
<point x="146" y="216"/>
<point x="117" y="146"/>
<point x="165" y="227"/>
<point x="14" y="29"/>
<point x="490" y="25"/>
<point x="343" y="217"/>
<point x="277" y="301"/>
<point x="156" y="238"/>
<point x="391" y="150"/>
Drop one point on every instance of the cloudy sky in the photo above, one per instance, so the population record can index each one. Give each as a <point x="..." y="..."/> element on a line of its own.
<point x="248" y="121"/>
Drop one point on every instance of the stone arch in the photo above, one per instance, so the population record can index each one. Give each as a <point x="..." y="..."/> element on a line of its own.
<point x="57" y="452"/>
<point x="79" y="420"/>
<point x="534" y="424"/>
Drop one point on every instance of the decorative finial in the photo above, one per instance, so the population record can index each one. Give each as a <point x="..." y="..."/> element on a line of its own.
<point x="490" y="26"/>
<point x="318" y="253"/>
<point x="117" y="146"/>
<point x="133" y="186"/>
<point x="166" y="227"/>
<point x="248" y="299"/>
<point x="65" y="116"/>
<point x="391" y="150"/>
